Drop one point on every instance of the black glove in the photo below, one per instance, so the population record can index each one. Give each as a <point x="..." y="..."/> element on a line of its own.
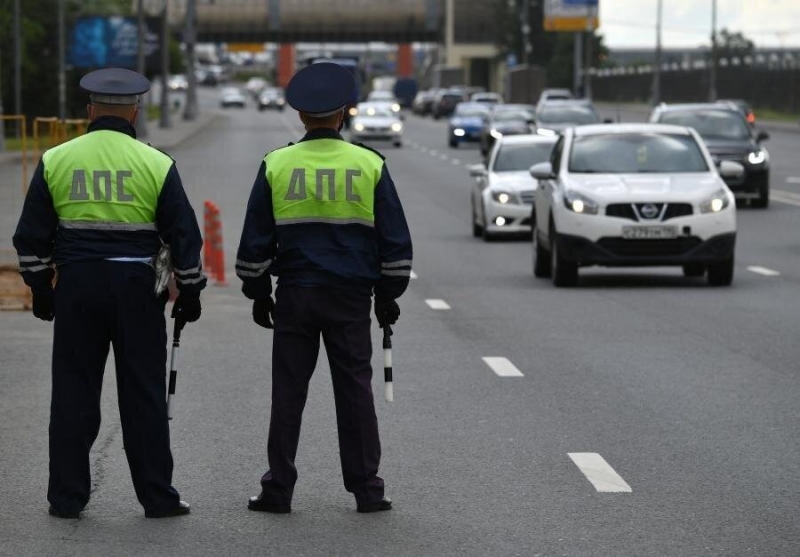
<point x="264" y="312"/>
<point x="387" y="312"/>
<point x="186" y="308"/>
<point x="44" y="306"/>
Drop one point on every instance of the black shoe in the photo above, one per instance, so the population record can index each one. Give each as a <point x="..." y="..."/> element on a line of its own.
<point x="181" y="509"/>
<point x="383" y="505"/>
<point x="55" y="512"/>
<point x="258" y="503"/>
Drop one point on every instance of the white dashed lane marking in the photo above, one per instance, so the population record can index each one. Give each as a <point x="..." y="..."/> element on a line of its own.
<point x="502" y="367"/>
<point x="437" y="304"/>
<point x="600" y="473"/>
<point x="456" y="162"/>
<point x="787" y="197"/>
<point x="763" y="271"/>
<point x="793" y="180"/>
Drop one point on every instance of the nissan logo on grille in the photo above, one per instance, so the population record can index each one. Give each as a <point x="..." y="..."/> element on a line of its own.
<point x="649" y="210"/>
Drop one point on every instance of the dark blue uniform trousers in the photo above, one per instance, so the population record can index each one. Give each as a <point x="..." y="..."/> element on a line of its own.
<point x="99" y="304"/>
<point x="342" y="317"/>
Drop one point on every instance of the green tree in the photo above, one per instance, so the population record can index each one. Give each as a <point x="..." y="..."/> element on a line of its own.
<point x="550" y="50"/>
<point x="734" y="45"/>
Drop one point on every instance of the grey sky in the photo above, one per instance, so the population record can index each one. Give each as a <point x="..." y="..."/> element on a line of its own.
<point x="631" y="23"/>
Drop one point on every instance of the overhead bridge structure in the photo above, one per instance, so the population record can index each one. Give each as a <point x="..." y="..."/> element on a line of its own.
<point x="463" y="27"/>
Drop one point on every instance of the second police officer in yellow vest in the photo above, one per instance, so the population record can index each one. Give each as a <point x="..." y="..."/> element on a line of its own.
<point x="325" y="218"/>
<point x="98" y="209"/>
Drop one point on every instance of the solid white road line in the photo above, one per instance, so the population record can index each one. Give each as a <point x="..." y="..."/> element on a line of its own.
<point x="503" y="367"/>
<point x="763" y="271"/>
<point x="786" y="200"/>
<point x="784" y="193"/>
<point x="793" y="180"/>
<point x="600" y="473"/>
<point x="413" y="275"/>
<point x="437" y="304"/>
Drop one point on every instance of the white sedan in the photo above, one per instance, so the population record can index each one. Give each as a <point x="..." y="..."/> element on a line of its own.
<point x="503" y="192"/>
<point x="376" y="121"/>
<point x="633" y="195"/>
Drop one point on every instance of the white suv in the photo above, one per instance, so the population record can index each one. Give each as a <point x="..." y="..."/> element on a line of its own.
<point x="633" y="195"/>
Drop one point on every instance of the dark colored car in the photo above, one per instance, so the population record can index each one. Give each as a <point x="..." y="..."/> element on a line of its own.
<point x="405" y="89"/>
<point x="506" y="119"/>
<point x="744" y="106"/>
<point x="728" y="136"/>
<point x="466" y="123"/>
<point x="445" y="103"/>
<point x="557" y="115"/>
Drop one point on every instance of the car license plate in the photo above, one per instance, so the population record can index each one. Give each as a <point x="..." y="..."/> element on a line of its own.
<point x="649" y="232"/>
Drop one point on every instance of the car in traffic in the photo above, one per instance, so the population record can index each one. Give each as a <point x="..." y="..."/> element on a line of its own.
<point x="423" y="102"/>
<point x="466" y="123"/>
<point x="232" y="96"/>
<point x="271" y="97"/>
<point x="744" y="106"/>
<point x="486" y="98"/>
<point x="633" y="195"/>
<point x="445" y="102"/>
<point x="554" y="95"/>
<point x="255" y="85"/>
<point x="386" y="97"/>
<point x="729" y="137"/>
<point x="553" y="116"/>
<point x="504" y="189"/>
<point x="376" y="121"/>
<point x="178" y="82"/>
<point x="506" y="119"/>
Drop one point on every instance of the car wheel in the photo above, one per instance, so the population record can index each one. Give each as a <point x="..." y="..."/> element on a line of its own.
<point x="477" y="230"/>
<point x="453" y="143"/>
<point x="541" y="257"/>
<point x="398" y="144"/>
<point x="691" y="270"/>
<point x="721" y="274"/>
<point x="487" y="237"/>
<point x="763" y="198"/>
<point x="563" y="272"/>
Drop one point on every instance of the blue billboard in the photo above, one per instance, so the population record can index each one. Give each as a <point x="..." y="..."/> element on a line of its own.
<point x="101" y="42"/>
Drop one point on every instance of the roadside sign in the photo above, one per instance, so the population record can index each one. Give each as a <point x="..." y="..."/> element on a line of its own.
<point x="571" y="15"/>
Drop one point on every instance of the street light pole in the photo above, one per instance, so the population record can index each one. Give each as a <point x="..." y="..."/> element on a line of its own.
<point x="62" y="63"/>
<point x="141" y="119"/>
<point x="712" y="77"/>
<point x="657" y="66"/>
<point x="165" y="121"/>
<point x="190" y="38"/>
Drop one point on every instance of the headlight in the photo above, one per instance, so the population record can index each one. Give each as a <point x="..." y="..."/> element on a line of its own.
<point x="458" y="132"/>
<point x="496" y="134"/>
<point x="715" y="203"/>
<point x="579" y="203"/>
<point x="504" y="197"/>
<point x="353" y="111"/>
<point x="358" y="127"/>
<point x="757" y="157"/>
<point x="395" y="107"/>
<point x="397" y="127"/>
<point x="371" y="112"/>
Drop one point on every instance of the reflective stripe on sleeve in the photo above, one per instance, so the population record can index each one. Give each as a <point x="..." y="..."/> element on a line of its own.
<point x="405" y="273"/>
<point x="248" y="265"/>
<point x="186" y="272"/>
<point x="34" y="269"/>
<point x="34" y="259"/>
<point x="197" y="280"/>
<point x="392" y="264"/>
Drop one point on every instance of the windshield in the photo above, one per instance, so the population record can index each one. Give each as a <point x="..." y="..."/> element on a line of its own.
<point x="518" y="157"/>
<point x="636" y="153"/>
<point x="377" y="111"/>
<point x="717" y="124"/>
<point x="466" y="111"/>
<point x="513" y="115"/>
<point x="567" y="115"/>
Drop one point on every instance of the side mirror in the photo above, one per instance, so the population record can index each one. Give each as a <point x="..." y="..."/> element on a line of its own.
<point x="731" y="170"/>
<point x="544" y="171"/>
<point x="762" y="136"/>
<point x="477" y="170"/>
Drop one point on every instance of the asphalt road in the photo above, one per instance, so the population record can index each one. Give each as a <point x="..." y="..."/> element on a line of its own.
<point x="688" y="394"/>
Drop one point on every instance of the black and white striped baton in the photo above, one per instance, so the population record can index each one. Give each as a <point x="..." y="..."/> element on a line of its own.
<point x="173" y="363"/>
<point x="387" y="362"/>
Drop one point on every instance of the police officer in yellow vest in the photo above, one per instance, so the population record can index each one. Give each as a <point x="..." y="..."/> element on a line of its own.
<point x="325" y="218"/>
<point x="99" y="208"/>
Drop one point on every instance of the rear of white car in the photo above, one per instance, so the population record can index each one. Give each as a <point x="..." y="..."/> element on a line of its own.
<point x="634" y="195"/>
